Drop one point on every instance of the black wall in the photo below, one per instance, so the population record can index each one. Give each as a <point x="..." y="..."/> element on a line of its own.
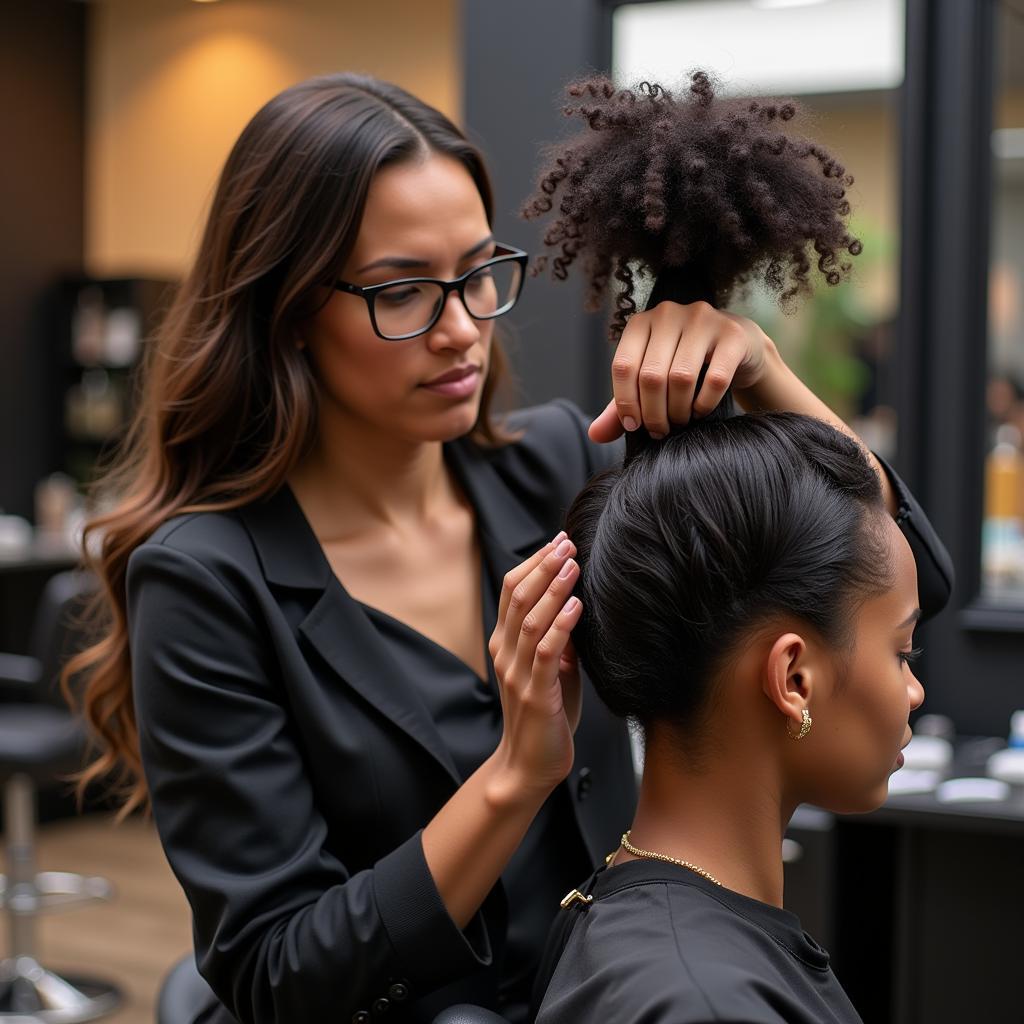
<point x="974" y="651"/>
<point x="42" y="130"/>
<point x="517" y="59"/>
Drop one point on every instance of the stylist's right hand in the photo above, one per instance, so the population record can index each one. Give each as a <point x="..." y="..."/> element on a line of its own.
<point x="536" y="667"/>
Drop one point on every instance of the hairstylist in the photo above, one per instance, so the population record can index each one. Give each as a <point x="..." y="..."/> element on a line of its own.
<point x="314" y="518"/>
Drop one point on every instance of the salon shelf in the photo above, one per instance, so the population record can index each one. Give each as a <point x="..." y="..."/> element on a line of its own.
<point x="993" y="618"/>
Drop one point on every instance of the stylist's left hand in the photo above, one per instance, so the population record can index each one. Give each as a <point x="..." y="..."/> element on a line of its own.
<point x="659" y="358"/>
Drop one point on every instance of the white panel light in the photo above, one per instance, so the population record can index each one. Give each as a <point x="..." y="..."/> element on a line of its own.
<point x="1008" y="143"/>
<point x="776" y="4"/>
<point x="763" y="46"/>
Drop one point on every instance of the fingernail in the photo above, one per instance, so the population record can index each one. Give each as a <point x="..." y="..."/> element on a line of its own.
<point x="570" y="605"/>
<point x="559" y="536"/>
<point x="563" y="549"/>
<point x="629" y="423"/>
<point x="567" y="570"/>
<point x="657" y="437"/>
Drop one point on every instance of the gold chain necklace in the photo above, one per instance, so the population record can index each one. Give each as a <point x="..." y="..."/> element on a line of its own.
<point x="651" y="855"/>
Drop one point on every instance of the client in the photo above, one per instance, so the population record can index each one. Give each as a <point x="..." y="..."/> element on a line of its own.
<point x="750" y="605"/>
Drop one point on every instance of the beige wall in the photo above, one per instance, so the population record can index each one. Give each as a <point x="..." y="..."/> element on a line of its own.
<point x="864" y="138"/>
<point x="172" y="82"/>
<point x="1009" y="111"/>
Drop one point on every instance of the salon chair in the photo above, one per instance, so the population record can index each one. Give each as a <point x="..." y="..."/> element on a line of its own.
<point x="466" y="1014"/>
<point x="41" y="741"/>
<point x="184" y="994"/>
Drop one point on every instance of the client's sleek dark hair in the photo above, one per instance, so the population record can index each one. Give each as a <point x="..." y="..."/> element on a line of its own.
<point x="698" y="541"/>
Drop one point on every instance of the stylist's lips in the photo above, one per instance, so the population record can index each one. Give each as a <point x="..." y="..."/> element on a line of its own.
<point x="458" y="383"/>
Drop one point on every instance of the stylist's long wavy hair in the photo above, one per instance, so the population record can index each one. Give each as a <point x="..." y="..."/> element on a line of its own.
<point x="228" y="403"/>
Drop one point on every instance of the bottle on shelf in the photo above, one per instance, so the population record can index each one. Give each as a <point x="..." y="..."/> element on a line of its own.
<point x="1002" y="543"/>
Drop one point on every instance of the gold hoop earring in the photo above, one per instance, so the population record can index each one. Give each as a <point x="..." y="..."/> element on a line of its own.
<point x="805" y="726"/>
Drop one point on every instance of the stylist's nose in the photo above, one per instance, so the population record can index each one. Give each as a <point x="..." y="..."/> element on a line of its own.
<point x="456" y="329"/>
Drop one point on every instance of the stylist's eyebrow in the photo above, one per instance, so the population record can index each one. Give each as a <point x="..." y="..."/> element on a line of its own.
<point x="910" y="619"/>
<point x="405" y="263"/>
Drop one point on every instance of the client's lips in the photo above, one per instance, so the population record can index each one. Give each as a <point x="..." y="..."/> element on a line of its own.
<point x="899" y="757"/>
<point x="459" y="382"/>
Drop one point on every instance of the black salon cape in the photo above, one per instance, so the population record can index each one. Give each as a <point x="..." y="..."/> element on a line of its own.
<point x="661" y="945"/>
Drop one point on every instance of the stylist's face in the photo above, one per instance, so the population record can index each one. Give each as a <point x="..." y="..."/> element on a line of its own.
<point x="422" y="219"/>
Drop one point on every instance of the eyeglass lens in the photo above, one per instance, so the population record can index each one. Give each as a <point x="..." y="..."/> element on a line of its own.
<point x="408" y="308"/>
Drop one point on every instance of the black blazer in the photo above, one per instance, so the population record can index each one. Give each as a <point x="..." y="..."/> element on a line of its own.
<point x="291" y="766"/>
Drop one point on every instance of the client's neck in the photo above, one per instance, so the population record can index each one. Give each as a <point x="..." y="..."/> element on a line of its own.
<point x="721" y="814"/>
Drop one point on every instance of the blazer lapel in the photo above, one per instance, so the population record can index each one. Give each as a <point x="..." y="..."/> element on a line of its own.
<point x="338" y="629"/>
<point x="346" y="639"/>
<point x="335" y="626"/>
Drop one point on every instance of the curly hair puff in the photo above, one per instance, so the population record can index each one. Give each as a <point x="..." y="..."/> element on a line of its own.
<point x="704" y="192"/>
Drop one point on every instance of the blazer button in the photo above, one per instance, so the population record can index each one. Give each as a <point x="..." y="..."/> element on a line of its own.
<point x="381" y="1006"/>
<point x="584" y="784"/>
<point x="360" y="1017"/>
<point x="398" y="991"/>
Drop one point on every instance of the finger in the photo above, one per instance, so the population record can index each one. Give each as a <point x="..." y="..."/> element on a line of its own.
<point x="572" y="686"/>
<point x="549" y="651"/>
<point x="570" y="660"/>
<point x="685" y="370"/>
<point x="725" y="359"/>
<point x="665" y="338"/>
<point x="607" y="427"/>
<point x="538" y="621"/>
<point x="524" y="598"/>
<point x="515" y="576"/>
<point x="625" y="371"/>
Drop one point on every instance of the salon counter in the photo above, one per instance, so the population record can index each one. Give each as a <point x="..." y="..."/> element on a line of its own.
<point x="921" y="902"/>
<point x="23" y="574"/>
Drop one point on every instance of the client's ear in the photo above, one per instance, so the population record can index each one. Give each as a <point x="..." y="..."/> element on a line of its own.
<point x="792" y="672"/>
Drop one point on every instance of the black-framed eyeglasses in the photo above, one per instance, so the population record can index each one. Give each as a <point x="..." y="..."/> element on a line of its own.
<point x="410" y="306"/>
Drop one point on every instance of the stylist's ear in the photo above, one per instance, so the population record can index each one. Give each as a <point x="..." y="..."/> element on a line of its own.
<point x="790" y="678"/>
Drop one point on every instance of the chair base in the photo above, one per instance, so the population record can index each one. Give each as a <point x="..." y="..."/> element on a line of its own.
<point x="54" y="890"/>
<point x="30" y="994"/>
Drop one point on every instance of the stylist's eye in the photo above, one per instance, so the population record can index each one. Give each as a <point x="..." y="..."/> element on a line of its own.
<point x="398" y="296"/>
<point x="909" y="657"/>
<point x="481" y="280"/>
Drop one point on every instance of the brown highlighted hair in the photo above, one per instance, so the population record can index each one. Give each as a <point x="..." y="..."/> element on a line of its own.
<point x="229" y="403"/>
<point x="708" y="191"/>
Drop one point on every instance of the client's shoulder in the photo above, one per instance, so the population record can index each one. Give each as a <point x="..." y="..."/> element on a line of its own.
<point x="660" y="944"/>
<point x="622" y="961"/>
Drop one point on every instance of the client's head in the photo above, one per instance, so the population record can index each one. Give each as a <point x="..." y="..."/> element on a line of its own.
<point x="740" y="572"/>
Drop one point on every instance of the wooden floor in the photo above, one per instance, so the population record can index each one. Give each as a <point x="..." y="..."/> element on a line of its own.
<point x="131" y="941"/>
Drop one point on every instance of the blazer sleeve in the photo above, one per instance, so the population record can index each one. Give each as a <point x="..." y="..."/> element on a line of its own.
<point x="597" y="457"/>
<point x="283" y="930"/>
<point x="935" y="574"/>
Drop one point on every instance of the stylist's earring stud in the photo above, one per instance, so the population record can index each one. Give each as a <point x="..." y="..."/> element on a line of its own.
<point x="805" y="726"/>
